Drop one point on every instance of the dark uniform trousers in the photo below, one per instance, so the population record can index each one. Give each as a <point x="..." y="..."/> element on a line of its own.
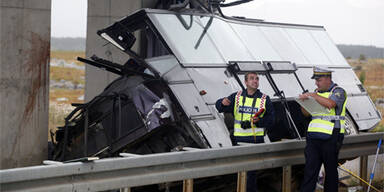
<point x="251" y="175"/>
<point x="316" y="152"/>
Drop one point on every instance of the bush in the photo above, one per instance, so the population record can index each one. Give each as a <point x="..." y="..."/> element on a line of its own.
<point x="362" y="57"/>
<point x="362" y="77"/>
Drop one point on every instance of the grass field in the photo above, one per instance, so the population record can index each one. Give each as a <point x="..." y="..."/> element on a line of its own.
<point x="371" y="73"/>
<point x="60" y="99"/>
<point x="69" y="56"/>
<point x="68" y="74"/>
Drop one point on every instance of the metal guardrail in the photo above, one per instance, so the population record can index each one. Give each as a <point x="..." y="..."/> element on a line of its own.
<point x="115" y="173"/>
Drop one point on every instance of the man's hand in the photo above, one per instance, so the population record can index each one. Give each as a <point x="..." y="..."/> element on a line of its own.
<point x="255" y="119"/>
<point x="226" y="102"/>
<point x="305" y="96"/>
<point x="326" y="102"/>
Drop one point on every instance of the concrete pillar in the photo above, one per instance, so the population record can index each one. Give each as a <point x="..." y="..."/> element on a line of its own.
<point x="101" y="14"/>
<point x="24" y="82"/>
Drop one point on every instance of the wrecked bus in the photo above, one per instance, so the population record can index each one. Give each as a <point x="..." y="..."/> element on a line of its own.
<point x="165" y="96"/>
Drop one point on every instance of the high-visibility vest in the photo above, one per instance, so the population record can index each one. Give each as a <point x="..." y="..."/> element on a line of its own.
<point x="244" y="111"/>
<point x="322" y="123"/>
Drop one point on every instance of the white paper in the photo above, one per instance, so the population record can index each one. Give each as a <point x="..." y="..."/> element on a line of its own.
<point x="312" y="106"/>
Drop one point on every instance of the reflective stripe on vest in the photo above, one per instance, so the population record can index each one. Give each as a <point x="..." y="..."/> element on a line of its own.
<point x="248" y="111"/>
<point x="322" y="123"/>
<point x="329" y="118"/>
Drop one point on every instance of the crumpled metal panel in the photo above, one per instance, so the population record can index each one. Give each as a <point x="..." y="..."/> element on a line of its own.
<point x="184" y="89"/>
<point x="189" y="98"/>
<point x="367" y="124"/>
<point x="144" y="100"/>
<point x="215" y="130"/>
<point x="361" y="108"/>
<point x="214" y="82"/>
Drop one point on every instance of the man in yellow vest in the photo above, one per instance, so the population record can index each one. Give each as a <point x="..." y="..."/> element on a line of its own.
<point x="325" y="132"/>
<point x="248" y="127"/>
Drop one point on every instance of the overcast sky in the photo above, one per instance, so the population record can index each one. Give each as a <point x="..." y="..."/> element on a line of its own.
<point x="347" y="21"/>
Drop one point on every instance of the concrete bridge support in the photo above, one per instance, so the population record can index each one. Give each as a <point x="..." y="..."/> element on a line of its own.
<point x="24" y="81"/>
<point x="101" y="14"/>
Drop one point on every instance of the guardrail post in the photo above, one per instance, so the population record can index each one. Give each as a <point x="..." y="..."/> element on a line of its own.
<point x="287" y="172"/>
<point x="242" y="181"/>
<point x="188" y="185"/>
<point x="363" y="171"/>
<point x="125" y="190"/>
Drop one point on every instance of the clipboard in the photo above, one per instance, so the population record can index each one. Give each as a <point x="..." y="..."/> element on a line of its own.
<point x="312" y="106"/>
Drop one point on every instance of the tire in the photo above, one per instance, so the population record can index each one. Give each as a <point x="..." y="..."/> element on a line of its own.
<point x="350" y="126"/>
<point x="350" y="129"/>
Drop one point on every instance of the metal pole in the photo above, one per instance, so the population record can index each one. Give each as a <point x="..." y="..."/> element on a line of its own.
<point x="242" y="181"/>
<point x="283" y="103"/>
<point x="293" y="123"/>
<point x="301" y="85"/>
<point x="287" y="172"/>
<point x="65" y="140"/>
<point x="374" y="165"/>
<point x="233" y="72"/>
<point x="86" y="133"/>
<point x="188" y="185"/>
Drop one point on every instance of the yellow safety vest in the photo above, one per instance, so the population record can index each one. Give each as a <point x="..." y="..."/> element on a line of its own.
<point x="322" y="123"/>
<point x="243" y="111"/>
